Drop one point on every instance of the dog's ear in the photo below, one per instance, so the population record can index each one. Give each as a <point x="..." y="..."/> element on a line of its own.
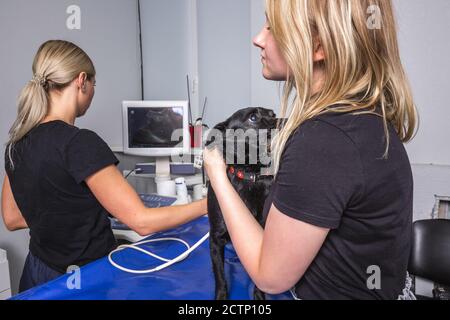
<point x="221" y="126"/>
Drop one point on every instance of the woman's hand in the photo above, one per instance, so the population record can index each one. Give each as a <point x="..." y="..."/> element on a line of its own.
<point x="214" y="164"/>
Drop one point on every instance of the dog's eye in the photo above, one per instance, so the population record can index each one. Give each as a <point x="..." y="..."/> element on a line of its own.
<point x="253" y="117"/>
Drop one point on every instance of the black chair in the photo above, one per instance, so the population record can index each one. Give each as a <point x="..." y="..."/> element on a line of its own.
<point x="430" y="251"/>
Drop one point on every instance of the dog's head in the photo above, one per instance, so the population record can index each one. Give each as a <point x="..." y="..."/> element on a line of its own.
<point x="244" y="135"/>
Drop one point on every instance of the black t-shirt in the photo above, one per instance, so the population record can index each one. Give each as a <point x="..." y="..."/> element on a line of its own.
<point x="68" y="226"/>
<point x="333" y="175"/>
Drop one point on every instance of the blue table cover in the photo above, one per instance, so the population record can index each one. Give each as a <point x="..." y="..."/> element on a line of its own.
<point x="190" y="279"/>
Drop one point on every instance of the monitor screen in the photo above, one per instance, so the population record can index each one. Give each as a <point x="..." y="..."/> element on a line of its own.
<point x="154" y="127"/>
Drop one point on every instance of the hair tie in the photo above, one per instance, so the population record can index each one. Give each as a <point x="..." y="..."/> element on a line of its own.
<point x="40" y="79"/>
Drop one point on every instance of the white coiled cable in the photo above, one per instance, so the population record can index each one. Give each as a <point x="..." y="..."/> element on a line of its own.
<point x="168" y="262"/>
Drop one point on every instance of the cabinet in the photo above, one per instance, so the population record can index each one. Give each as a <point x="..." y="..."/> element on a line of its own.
<point x="5" y="283"/>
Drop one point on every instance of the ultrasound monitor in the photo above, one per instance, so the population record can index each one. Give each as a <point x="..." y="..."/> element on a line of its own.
<point x="155" y="128"/>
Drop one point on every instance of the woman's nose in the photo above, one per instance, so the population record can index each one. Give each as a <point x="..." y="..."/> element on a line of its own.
<point x="258" y="40"/>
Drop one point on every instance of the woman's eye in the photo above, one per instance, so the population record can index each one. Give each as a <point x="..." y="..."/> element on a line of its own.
<point x="253" y="117"/>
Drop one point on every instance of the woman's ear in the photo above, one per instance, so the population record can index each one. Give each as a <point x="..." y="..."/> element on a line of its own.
<point x="318" y="54"/>
<point x="82" y="79"/>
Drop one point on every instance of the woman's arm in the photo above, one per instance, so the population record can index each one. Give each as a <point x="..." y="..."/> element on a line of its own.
<point x="275" y="257"/>
<point x="12" y="217"/>
<point x="116" y="195"/>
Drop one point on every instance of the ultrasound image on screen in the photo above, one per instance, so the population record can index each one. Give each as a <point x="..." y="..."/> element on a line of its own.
<point x="153" y="127"/>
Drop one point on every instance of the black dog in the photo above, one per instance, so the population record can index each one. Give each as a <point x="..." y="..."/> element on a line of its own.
<point x="252" y="186"/>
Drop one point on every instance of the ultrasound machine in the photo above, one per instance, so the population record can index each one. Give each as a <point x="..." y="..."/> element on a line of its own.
<point x="160" y="130"/>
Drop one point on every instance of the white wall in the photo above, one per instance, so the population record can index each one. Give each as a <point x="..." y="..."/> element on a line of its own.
<point x="108" y="34"/>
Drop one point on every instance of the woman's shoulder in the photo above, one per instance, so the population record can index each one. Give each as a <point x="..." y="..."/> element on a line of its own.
<point x="316" y="139"/>
<point x="56" y="128"/>
<point x="355" y="126"/>
<point x="355" y="133"/>
<point x="65" y="135"/>
<point x="325" y="129"/>
<point x="68" y="132"/>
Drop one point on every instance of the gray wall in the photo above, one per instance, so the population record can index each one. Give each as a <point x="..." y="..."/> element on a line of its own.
<point x="224" y="56"/>
<point x="165" y="36"/>
<point x="108" y="34"/>
<point x="169" y="37"/>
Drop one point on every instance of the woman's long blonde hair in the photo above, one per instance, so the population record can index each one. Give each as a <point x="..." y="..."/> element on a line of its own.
<point x="56" y="64"/>
<point x="362" y="65"/>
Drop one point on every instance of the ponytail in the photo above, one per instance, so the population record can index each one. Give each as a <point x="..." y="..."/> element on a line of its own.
<point x="32" y="108"/>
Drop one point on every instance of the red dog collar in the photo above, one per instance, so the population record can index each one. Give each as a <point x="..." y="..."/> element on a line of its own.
<point x="241" y="174"/>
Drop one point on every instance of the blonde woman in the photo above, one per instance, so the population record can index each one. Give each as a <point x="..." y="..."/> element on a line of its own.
<point x="62" y="181"/>
<point x="340" y="210"/>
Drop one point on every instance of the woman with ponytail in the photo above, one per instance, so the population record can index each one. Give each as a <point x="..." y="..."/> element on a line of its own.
<point x="339" y="214"/>
<point x="62" y="181"/>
